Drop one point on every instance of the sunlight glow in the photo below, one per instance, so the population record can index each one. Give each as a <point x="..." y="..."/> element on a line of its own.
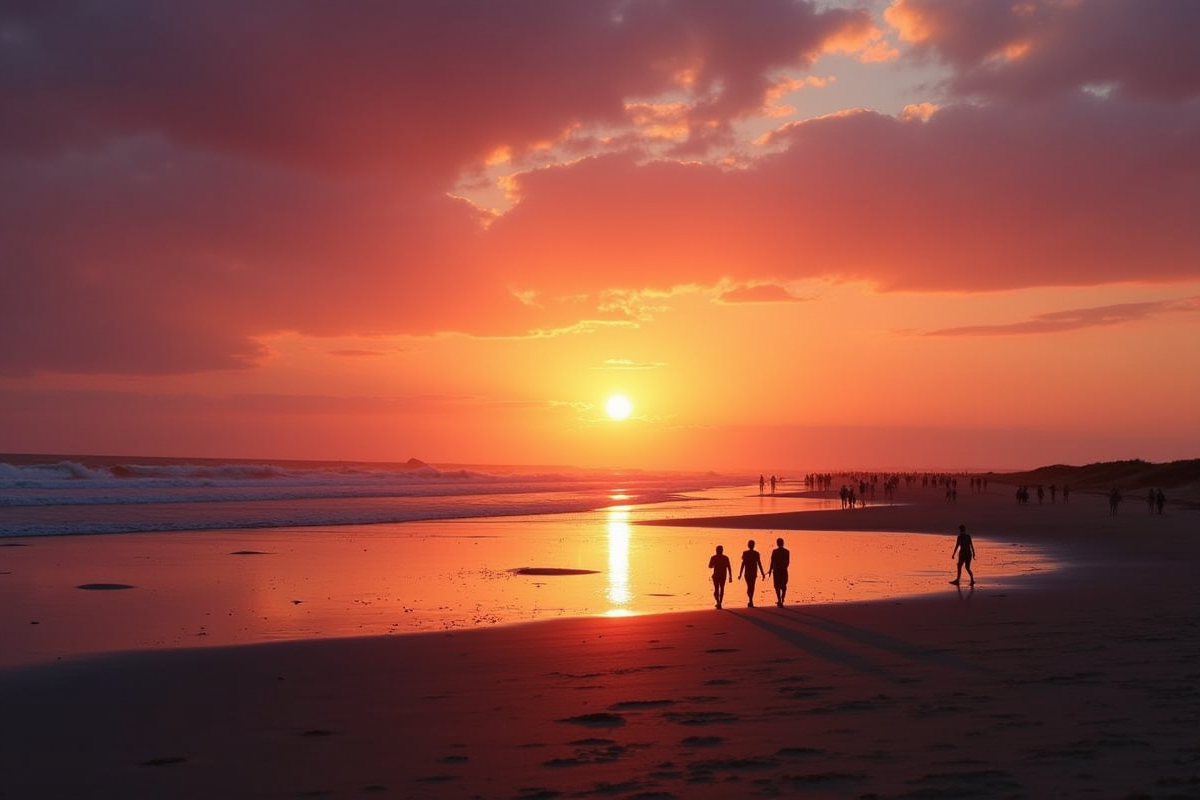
<point x="618" y="407"/>
<point x="618" y="592"/>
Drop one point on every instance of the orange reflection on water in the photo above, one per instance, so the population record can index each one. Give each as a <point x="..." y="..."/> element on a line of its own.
<point x="618" y="592"/>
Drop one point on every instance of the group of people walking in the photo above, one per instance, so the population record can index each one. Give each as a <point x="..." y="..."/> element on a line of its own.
<point x="752" y="568"/>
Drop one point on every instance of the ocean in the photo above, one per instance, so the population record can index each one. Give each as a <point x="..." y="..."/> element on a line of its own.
<point x="61" y="495"/>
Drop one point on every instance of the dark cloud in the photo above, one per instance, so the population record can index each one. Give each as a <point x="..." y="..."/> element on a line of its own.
<point x="1044" y="48"/>
<point x="418" y="87"/>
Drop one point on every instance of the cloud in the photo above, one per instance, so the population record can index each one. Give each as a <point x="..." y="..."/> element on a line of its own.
<point x="1082" y="192"/>
<point x="419" y="87"/>
<point x="1045" y="48"/>
<point x="179" y="182"/>
<point x="759" y="293"/>
<point x="1074" y="319"/>
<point x="620" y="364"/>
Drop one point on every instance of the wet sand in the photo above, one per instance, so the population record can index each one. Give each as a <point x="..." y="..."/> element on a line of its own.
<point x="1084" y="684"/>
<point x="214" y="588"/>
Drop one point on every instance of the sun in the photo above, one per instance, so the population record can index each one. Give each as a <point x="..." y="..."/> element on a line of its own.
<point x="618" y="407"/>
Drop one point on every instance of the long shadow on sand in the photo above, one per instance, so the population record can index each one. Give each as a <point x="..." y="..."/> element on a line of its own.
<point x="884" y="642"/>
<point x="782" y="623"/>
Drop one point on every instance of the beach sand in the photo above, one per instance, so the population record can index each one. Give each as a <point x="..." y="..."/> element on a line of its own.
<point x="1083" y="684"/>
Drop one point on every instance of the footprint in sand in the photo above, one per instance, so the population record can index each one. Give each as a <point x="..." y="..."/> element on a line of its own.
<point x="594" y="751"/>
<point x="699" y="717"/>
<point x="831" y="780"/>
<point x="804" y="692"/>
<point x="796" y="753"/>
<point x="876" y="703"/>
<point x="968" y="782"/>
<point x="537" y="793"/>
<point x="596" y="720"/>
<point x="632" y="705"/>
<point x="748" y="764"/>
<point x="703" y="741"/>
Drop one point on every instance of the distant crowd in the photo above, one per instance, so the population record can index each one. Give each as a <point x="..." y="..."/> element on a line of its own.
<point x="857" y="489"/>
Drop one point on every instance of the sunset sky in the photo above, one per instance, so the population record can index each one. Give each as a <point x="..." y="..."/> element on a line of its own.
<point x="793" y="234"/>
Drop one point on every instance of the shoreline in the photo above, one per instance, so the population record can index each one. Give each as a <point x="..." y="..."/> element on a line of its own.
<point x="1082" y="686"/>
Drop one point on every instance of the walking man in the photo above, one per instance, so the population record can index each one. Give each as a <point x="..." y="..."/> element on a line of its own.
<point x="752" y="567"/>
<point x="964" y="548"/>
<point x="780" y="559"/>
<point x="722" y="569"/>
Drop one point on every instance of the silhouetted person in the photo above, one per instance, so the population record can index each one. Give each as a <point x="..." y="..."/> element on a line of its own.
<point x="762" y="484"/>
<point x="752" y="567"/>
<point x="772" y="484"/>
<point x="1066" y="493"/>
<point x="1159" y="499"/>
<point x="1150" y="501"/>
<point x="964" y="548"/>
<point x="780" y="559"/>
<point x="1114" y="500"/>
<point x="722" y="570"/>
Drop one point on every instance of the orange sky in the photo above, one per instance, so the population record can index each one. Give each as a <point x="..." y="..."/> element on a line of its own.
<point x="794" y="234"/>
